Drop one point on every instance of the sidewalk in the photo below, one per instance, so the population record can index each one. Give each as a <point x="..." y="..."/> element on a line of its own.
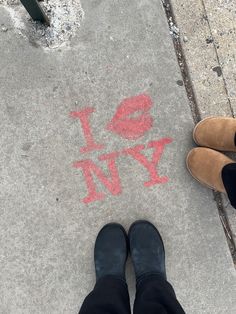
<point x="207" y="32"/>
<point x="68" y="165"/>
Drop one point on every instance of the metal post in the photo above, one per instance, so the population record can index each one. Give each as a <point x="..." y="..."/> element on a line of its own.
<point x="35" y="11"/>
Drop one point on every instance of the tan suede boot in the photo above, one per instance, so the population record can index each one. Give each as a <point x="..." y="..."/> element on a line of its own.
<point x="216" y="132"/>
<point x="206" y="165"/>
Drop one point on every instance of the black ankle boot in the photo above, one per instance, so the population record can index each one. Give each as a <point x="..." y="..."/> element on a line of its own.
<point x="147" y="250"/>
<point x="111" y="251"/>
<point x="229" y="180"/>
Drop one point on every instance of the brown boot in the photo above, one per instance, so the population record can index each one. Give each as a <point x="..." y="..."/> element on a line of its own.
<point x="217" y="133"/>
<point x="206" y="166"/>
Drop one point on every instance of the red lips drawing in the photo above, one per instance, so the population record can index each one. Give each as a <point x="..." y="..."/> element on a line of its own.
<point x="132" y="118"/>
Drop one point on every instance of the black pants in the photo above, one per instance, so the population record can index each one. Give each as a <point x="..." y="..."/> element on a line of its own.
<point x="229" y="179"/>
<point x="110" y="296"/>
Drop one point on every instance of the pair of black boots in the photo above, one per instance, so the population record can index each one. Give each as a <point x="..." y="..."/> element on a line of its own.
<point x="144" y="243"/>
<point x="154" y="295"/>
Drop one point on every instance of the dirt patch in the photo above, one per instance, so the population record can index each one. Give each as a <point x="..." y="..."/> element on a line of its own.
<point x="65" y="19"/>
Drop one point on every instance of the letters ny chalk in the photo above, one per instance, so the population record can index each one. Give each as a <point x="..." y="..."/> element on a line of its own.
<point x="131" y="121"/>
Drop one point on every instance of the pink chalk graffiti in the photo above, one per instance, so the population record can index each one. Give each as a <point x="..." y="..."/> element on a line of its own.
<point x="89" y="167"/>
<point x="132" y="118"/>
<point x="131" y="121"/>
<point x="151" y="166"/>
<point x="83" y="115"/>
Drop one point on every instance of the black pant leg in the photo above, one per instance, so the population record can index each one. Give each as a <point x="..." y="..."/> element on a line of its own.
<point x="156" y="296"/>
<point x="109" y="296"/>
<point x="229" y="179"/>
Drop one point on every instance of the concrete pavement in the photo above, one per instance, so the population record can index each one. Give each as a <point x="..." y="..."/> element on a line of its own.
<point x="55" y="102"/>
<point x="207" y="32"/>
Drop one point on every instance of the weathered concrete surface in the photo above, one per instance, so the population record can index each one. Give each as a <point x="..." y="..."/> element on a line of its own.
<point x="202" y="57"/>
<point x="222" y="22"/>
<point x="47" y="233"/>
<point x="210" y="29"/>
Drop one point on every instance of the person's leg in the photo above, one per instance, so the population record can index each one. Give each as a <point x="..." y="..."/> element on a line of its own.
<point x="110" y="294"/>
<point x="154" y="294"/>
<point x="229" y="180"/>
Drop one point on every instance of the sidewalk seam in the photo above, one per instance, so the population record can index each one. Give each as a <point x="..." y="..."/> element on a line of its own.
<point x="226" y="226"/>
<point x="197" y="115"/>
<point x="183" y="64"/>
